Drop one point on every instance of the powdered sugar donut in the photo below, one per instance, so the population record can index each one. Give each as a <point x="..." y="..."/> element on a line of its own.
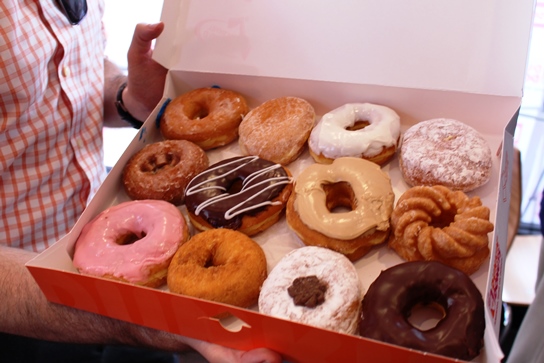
<point x="337" y="135"/>
<point x="314" y="286"/>
<point x="445" y="152"/>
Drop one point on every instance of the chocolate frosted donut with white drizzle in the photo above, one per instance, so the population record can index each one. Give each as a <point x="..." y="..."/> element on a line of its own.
<point x="247" y="194"/>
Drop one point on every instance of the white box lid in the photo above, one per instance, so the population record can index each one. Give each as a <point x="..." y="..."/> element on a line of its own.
<point x="467" y="46"/>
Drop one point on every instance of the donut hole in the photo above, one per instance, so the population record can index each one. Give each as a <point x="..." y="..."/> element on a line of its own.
<point x="426" y="316"/>
<point x="198" y="111"/>
<point x="340" y="197"/>
<point x="129" y="238"/>
<point x="235" y="187"/>
<point x="358" y="125"/>
<point x="446" y="218"/>
<point x="157" y="162"/>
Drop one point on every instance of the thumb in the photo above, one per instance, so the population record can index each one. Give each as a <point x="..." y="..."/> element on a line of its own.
<point x="143" y="36"/>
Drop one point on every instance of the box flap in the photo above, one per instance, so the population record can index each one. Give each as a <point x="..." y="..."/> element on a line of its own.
<point x="477" y="47"/>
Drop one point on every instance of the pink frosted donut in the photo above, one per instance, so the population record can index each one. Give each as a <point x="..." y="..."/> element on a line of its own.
<point x="132" y="242"/>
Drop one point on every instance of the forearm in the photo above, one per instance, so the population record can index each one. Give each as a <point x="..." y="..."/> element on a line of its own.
<point x="113" y="79"/>
<point x="25" y="311"/>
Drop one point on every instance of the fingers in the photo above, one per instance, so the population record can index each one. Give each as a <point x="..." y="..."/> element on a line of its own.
<point x="143" y="36"/>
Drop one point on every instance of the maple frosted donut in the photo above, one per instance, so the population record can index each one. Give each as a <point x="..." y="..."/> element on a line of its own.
<point x="314" y="286"/>
<point x="277" y="130"/>
<point x="132" y="242"/>
<point x="314" y="211"/>
<point x="220" y="265"/>
<point x="337" y="133"/>
<point x="247" y="194"/>
<point x="162" y="170"/>
<point x="209" y="117"/>
<point x="445" y="152"/>
<point x="390" y="299"/>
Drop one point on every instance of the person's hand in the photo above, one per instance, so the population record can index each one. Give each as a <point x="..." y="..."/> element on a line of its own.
<point x="146" y="77"/>
<point x="218" y="354"/>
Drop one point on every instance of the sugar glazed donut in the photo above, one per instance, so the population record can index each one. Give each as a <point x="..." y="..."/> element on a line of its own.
<point x="131" y="242"/>
<point x="247" y="194"/>
<point x="361" y="130"/>
<point x="390" y="299"/>
<point x="314" y="286"/>
<point x="438" y="224"/>
<point x="221" y="265"/>
<point x="277" y="130"/>
<point x="445" y="152"/>
<point x="314" y="211"/>
<point x="209" y="117"/>
<point x="162" y="170"/>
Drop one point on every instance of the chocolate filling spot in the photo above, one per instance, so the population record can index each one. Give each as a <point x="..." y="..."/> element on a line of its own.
<point x="307" y="291"/>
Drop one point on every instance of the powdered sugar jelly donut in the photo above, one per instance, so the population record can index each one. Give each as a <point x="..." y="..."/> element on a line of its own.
<point x="445" y="152"/>
<point x="314" y="286"/>
<point x="337" y="135"/>
<point x="132" y="242"/>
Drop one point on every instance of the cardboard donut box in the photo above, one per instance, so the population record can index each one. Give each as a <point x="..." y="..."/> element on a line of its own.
<point x="463" y="60"/>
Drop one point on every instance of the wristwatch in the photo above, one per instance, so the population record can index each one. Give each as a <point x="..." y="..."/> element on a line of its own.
<point x="122" y="110"/>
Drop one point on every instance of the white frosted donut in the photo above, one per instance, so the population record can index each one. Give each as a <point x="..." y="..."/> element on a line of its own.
<point x="342" y="299"/>
<point x="332" y="137"/>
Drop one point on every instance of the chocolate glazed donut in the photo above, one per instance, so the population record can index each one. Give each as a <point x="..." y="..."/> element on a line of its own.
<point x="236" y="190"/>
<point x="392" y="296"/>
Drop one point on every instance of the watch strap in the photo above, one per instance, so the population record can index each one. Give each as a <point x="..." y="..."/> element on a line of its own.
<point x="122" y="110"/>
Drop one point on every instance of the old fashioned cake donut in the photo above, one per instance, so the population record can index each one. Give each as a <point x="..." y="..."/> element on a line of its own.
<point x="361" y="130"/>
<point x="221" y="265"/>
<point x="132" y="242"/>
<point x="344" y="206"/>
<point x="162" y="170"/>
<point x="277" y="130"/>
<point x="209" y="117"/>
<point x="247" y="194"/>
<point x="436" y="223"/>
<point x="391" y="298"/>
<point x="445" y="152"/>
<point x="314" y="286"/>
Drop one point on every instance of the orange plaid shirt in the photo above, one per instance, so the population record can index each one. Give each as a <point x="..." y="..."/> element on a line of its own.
<point x="51" y="103"/>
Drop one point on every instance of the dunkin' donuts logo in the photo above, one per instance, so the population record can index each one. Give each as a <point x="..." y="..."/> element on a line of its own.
<point x="493" y="294"/>
<point x="230" y="32"/>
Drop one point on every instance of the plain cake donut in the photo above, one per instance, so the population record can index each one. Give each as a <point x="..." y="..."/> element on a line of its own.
<point x="221" y="265"/>
<point x="132" y="242"/>
<point x="445" y="152"/>
<point x="209" y="117"/>
<point x="314" y="286"/>
<point x="314" y="211"/>
<point x="338" y="133"/>
<point x="388" y="303"/>
<point x="277" y="130"/>
<point x="162" y="170"/>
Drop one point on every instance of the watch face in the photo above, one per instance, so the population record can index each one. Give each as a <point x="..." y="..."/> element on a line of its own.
<point x="74" y="10"/>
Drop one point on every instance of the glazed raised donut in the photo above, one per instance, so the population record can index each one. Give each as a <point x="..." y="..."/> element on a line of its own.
<point x="445" y="152"/>
<point x="162" y="170"/>
<point x="338" y="134"/>
<point x="247" y="194"/>
<point x="209" y="117"/>
<point x="357" y="185"/>
<point x="314" y="286"/>
<point x="132" y="242"/>
<point x="277" y="130"/>
<point x="438" y="224"/>
<point x="391" y="298"/>
<point x="221" y="265"/>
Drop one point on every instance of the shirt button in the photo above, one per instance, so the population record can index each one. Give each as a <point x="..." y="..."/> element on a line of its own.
<point x="66" y="71"/>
